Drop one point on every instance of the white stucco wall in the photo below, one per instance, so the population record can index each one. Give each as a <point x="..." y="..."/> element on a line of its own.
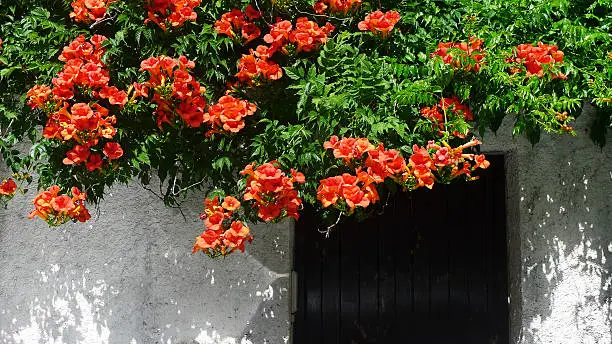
<point x="129" y="277"/>
<point x="560" y="236"/>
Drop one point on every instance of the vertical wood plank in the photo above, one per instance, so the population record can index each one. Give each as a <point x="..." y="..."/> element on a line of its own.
<point x="368" y="280"/>
<point x="387" y="242"/>
<point x="403" y="256"/>
<point x="457" y="230"/>
<point x="423" y="203"/>
<point x="349" y="282"/>
<point x="313" y="321"/>
<point x="438" y="234"/>
<point x="479" y="238"/>
<point x="330" y="282"/>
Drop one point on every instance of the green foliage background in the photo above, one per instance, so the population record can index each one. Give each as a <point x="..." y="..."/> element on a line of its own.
<point x="356" y="86"/>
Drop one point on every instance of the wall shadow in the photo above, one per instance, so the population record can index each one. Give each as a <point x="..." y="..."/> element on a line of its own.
<point x="128" y="276"/>
<point x="559" y="237"/>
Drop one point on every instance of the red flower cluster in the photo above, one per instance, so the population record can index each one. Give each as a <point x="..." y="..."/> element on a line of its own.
<point x="352" y="191"/>
<point x="448" y="163"/>
<point x="383" y="163"/>
<point x="169" y="14"/>
<point x="420" y="168"/>
<point x="175" y="90"/>
<point x="380" y="162"/>
<point x="337" y="6"/>
<point x="38" y="96"/>
<point x="379" y="23"/>
<point x="424" y="165"/>
<point x="91" y="51"/>
<point x="84" y="77"/>
<point x="57" y="209"/>
<point x="360" y="189"/>
<point x="237" y="21"/>
<point x="255" y="70"/>
<point x="85" y="125"/>
<point x="441" y="113"/>
<point x="307" y="36"/>
<point x="349" y="148"/>
<point x="279" y="34"/>
<point x="534" y="58"/>
<point x="83" y="69"/>
<point x="228" y="114"/>
<point x="272" y="191"/>
<point x="456" y="107"/>
<point x="8" y="188"/>
<point x="86" y="11"/>
<point x="462" y="55"/>
<point x="223" y="234"/>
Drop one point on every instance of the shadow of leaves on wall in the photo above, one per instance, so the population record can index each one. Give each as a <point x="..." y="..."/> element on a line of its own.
<point x="562" y="194"/>
<point x="129" y="277"/>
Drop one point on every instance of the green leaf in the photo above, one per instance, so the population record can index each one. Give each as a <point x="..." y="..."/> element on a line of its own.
<point x="294" y="73"/>
<point x="222" y="163"/>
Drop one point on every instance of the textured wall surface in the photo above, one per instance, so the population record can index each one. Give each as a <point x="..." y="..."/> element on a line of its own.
<point x="560" y="236"/>
<point x="128" y="276"/>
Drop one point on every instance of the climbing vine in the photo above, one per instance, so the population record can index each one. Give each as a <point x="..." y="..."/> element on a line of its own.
<point x="265" y="106"/>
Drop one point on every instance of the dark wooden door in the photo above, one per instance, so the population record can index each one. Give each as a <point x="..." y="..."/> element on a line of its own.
<point x="431" y="269"/>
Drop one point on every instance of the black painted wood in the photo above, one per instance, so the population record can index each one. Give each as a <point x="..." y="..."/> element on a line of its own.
<point x="431" y="269"/>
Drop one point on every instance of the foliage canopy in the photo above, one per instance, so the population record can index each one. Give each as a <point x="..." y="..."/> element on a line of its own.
<point x="356" y="84"/>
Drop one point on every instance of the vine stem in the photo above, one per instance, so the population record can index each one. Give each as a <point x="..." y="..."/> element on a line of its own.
<point x="262" y="16"/>
<point x="329" y="228"/>
<point x="174" y="185"/>
<point x="321" y="15"/>
<point x="185" y="188"/>
<point x="151" y="191"/>
<point x="100" y="21"/>
<point x="178" y="207"/>
<point x="382" y="211"/>
<point x="8" y="127"/>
